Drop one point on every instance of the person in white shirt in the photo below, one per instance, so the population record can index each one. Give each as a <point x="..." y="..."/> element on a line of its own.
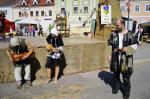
<point x="139" y="33"/>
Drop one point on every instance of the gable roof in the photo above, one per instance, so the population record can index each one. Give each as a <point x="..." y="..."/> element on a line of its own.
<point x="30" y="3"/>
<point x="9" y="2"/>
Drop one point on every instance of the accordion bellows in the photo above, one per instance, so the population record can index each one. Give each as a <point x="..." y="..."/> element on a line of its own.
<point x="49" y="46"/>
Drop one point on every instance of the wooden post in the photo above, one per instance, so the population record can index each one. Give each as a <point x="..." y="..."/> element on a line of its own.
<point x="65" y="24"/>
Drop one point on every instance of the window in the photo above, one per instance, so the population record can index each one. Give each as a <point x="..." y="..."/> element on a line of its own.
<point x="42" y="13"/>
<point x="147" y="8"/>
<point x="85" y="9"/>
<point x="123" y="9"/>
<point x="35" y="2"/>
<point x="137" y="8"/>
<point x="31" y="13"/>
<point x="5" y="12"/>
<point x="19" y="14"/>
<point x="37" y="13"/>
<point x="75" y="10"/>
<point x="24" y="2"/>
<point x="50" y="13"/>
<point x="48" y="2"/>
<point x="62" y="10"/>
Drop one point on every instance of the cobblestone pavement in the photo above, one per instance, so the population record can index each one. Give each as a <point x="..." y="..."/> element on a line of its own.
<point x="90" y="85"/>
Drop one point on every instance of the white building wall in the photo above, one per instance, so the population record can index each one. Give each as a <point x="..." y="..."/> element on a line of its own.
<point x="16" y="13"/>
<point x="8" y="12"/>
<point x="46" y="10"/>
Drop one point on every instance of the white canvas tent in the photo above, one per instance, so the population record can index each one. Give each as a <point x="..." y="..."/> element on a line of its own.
<point x="45" y="25"/>
<point x="28" y="22"/>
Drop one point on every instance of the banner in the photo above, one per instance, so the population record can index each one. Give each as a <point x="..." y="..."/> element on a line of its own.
<point x="106" y="14"/>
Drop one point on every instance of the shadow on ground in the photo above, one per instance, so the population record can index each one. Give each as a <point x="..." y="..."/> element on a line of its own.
<point x="107" y="77"/>
<point x="4" y="40"/>
<point x="35" y="66"/>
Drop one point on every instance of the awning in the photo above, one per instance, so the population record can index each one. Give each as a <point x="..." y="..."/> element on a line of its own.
<point x="145" y="24"/>
<point x="9" y="24"/>
<point x="28" y="21"/>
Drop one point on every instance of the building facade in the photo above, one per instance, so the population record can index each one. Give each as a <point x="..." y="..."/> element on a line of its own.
<point x="8" y="12"/>
<point x="139" y="10"/>
<point x="34" y="9"/>
<point x="7" y="7"/>
<point x="77" y="11"/>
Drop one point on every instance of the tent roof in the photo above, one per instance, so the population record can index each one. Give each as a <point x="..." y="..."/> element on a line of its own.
<point x="28" y="21"/>
<point x="8" y="21"/>
<point x="145" y="24"/>
<point x="126" y="19"/>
